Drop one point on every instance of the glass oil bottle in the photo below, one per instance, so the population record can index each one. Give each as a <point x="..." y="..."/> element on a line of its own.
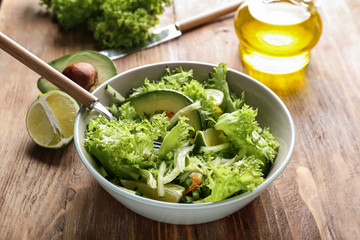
<point x="276" y="37"/>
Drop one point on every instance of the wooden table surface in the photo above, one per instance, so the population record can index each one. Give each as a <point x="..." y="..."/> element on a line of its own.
<point x="48" y="194"/>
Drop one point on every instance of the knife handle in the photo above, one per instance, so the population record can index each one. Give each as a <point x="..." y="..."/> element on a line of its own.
<point x="203" y="18"/>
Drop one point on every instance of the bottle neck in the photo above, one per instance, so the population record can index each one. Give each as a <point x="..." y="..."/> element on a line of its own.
<point x="279" y="12"/>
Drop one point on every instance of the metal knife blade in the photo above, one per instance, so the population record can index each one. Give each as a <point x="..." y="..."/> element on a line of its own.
<point x="172" y="31"/>
<point x="160" y="35"/>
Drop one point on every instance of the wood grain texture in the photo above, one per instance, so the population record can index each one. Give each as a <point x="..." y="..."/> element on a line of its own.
<point x="48" y="194"/>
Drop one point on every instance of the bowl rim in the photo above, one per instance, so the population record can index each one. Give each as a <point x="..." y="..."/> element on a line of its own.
<point x="184" y="206"/>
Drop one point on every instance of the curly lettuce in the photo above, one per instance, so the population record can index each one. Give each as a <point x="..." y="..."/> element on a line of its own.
<point x="125" y="147"/>
<point x="177" y="136"/>
<point x="243" y="131"/>
<point x="218" y="81"/>
<point x="114" y="23"/>
<point x="184" y="81"/>
<point x="71" y="14"/>
<point x="235" y="162"/>
<point x="225" y="182"/>
<point x="125" y="24"/>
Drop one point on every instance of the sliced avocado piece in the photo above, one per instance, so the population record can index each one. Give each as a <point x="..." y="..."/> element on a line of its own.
<point x="105" y="67"/>
<point x="173" y="192"/>
<point x="160" y="100"/>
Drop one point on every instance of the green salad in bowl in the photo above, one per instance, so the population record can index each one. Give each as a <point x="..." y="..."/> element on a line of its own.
<point x="177" y="139"/>
<point x="192" y="142"/>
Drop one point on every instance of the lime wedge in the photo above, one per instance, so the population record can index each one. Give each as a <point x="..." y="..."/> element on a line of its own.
<point x="207" y="138"/>
<point x="50" y="119"/>
<point x="217" y="95"/>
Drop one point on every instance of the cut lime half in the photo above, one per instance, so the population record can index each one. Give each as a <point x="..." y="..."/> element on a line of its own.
<point x="50" y="119"/>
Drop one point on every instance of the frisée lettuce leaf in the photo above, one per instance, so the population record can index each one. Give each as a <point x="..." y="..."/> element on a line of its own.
<point x="241" y="129"/>
<point x="177" y="136"/>
<point x="124" y="147"/>
<point x="218" y="81"/>
<point x="225" y="181"/>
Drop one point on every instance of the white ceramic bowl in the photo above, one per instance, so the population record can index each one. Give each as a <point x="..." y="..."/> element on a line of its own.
<point x="272" y="113"/>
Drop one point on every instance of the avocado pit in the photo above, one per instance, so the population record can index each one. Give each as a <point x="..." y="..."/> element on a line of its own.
<point x="82" y="73"/>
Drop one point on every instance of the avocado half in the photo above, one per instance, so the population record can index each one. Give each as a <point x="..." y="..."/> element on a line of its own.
<point x="160" y="100"/>
<point x="105" y="67"/>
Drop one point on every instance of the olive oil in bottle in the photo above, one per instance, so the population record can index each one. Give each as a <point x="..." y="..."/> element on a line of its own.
<point x="276" y="37"/>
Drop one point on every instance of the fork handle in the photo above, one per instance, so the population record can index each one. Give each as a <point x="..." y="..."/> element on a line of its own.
<point x="46" y="71"/>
